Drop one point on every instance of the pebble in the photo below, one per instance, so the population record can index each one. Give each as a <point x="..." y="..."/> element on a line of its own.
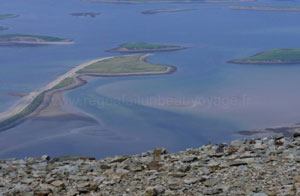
<point x="256" y="167"/>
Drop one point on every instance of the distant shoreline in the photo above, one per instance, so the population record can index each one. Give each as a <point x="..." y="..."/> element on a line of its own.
<point x="271" y="57"/>
<point x="49" y="90"/>
<point x="263" y="62"/>
<point x="122" y="49"/>
<point x="17" y="43"/>
<point x="8" y="16"/>
<point x="266" y="8"/>
<point x="24" y="39"/>
<point x="157" y="11"/>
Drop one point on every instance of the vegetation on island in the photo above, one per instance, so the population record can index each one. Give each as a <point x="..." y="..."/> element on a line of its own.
<point x="40" y="37"/>
<point x="276" y="56"/>
<point x="123" y="65"/>
<point x="28" y="110"/>
<point x="7" y="16"/>
<point x="65" y="83"/>
<point x="145" y="47"/>
<point x="115" y="66"/>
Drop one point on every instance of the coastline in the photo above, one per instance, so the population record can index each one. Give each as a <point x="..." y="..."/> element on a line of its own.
<point x="12" y="43"/>
<point x="286" y="130"/>
<point x="10" y="17"/>
<point x="263" y="62"/>
<point x="265" y="8"/>
<point x="25" y="101"/>
<point x="49" y="90"/>
<point x="124" y="50"/>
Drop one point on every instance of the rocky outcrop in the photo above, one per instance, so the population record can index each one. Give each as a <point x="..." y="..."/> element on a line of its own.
<point x="256" y="167"/>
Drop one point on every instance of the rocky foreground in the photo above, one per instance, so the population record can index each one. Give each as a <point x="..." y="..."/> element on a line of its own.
<point x="257" y="167"/>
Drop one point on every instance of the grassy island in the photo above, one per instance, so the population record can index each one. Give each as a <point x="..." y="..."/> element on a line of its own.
<point x="7" y="16"/>
<point x="277" y="56"/>
<point x="145" y="47"/>
<point x="157" y="11"/>
<point x="15" y="39"/>
<point x="267" y="8"/>
<point x="133" y="64"/>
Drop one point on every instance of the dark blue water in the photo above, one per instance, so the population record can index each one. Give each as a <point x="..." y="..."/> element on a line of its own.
<point x="205" y="100"/>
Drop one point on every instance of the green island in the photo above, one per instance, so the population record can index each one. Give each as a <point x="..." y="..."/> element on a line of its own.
<point x="145" y="47"/>
<point x="276" y="56"/>
<point x="267" y="8"/>
<point x="157" y="11"/>
<point x="129" y="65"/>
<point x="23" y="39"/>
<point x="7" y="16"/>
<point x="134" y="64"/>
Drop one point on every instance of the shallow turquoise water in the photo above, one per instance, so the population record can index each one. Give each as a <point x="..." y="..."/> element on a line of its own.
<point x="205" y="100"/>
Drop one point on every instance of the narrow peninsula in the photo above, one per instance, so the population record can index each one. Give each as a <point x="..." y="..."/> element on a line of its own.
<point x="276" y="56"/>
<point x="157" y="11"/>
<point x="34" y="102"/>
<point x="266" y="8"/>
<point x="23" y="39"/>
<point x="145" y="47"/>
<point x="7" y="16"/>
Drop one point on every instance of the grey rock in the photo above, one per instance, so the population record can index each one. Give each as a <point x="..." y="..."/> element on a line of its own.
<point x="212" y="191"/>
<point x="45" y="158"/>
<point x="189" y="159"/>
<point x="191" y="181"/>
<point x="237" y="163"/>
<point x="238" y="142"/>
<point x="278" y="136"/>
<point x="259" y="194"/>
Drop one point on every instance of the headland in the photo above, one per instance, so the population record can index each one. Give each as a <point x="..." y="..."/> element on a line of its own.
<point x="34" y="102"/>
<point x="276" y="56"/>
<point x="24" y="39"/>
